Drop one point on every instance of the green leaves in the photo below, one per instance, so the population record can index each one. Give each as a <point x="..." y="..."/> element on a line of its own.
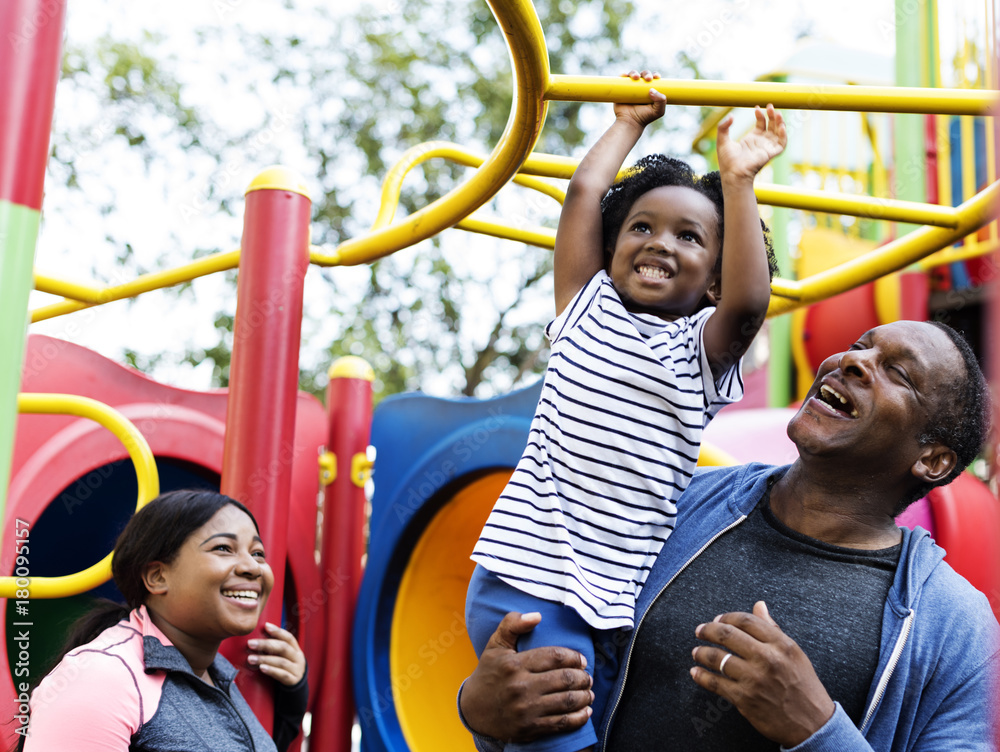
<point x="340" y="98"/>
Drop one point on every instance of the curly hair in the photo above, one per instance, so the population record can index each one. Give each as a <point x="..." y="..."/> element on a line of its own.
<point x="658" y="170"/>
<point x="961" y="421"/>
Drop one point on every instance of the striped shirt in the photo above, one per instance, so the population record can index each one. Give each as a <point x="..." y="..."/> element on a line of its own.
<point x="613" y="444"/>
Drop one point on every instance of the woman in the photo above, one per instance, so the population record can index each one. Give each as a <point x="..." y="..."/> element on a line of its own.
<point x="192" y="569"/>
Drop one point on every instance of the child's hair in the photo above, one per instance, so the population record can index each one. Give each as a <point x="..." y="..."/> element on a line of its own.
<point x="655" y="171"/>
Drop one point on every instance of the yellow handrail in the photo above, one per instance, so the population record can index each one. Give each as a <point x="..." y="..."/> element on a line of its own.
<point x="782" y="95"/>
<point x="145" y="471"/>
<point x="858" y="206"/>
<point x="890" y="257"/>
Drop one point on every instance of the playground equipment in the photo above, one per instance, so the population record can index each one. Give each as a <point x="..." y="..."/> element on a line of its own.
<point x="441" y="463"/>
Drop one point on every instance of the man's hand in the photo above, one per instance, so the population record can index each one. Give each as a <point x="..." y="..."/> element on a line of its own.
<point x="518" y="697"/>
<point x="744" y="159"/>
<point x="767" y="676"/>
<point x="643" y="114"/>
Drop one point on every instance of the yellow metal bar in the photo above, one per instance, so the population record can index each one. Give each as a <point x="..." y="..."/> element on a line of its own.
<point x="943" y="135"/>
<point x="879" y="179"/>
<point x="539" y="236"/>
<point x="962" y="253"/>
<point x="393" y="183"/>
<point x="145" y="471"/>
<point x="857" y="206"/>
<point x="786" y="288"/>
<point x="67" y="289"/>
<point x="523" y="33"/>
<point x="968" y="146"/>
<point x="564" y="88"/>
<point x="891" y="257"/>
<point x="144" y="283"/>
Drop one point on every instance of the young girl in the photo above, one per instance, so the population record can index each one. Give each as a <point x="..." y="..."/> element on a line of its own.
<point x="655" y="305"/>
<point x="148" y="676"/>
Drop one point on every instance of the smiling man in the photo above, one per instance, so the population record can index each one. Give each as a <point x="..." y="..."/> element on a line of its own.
<point x="789" y="611"/>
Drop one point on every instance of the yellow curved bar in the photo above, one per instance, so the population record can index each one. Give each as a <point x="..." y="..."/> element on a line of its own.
<point x="393" y="183"/>
<point x="145" y="470"/>
<point x="208" y="265"/>
<point x="782" y="95"/>
<point x="519" y="22"/>
<point x="891" y="257"/>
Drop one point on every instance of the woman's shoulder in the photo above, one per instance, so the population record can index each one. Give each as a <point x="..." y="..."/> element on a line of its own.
<point x="101" y="684"/>
<point x="114" y="657"/>
<point x="122" y="640"/>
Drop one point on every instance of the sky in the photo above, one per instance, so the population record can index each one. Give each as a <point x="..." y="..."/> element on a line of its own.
<point x="737" y="40"/>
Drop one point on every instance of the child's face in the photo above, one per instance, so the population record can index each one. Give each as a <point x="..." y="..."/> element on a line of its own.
<point x="665" y="254"/>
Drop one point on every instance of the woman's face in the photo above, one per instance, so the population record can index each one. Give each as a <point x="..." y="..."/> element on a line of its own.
<point x="218" y="583"/>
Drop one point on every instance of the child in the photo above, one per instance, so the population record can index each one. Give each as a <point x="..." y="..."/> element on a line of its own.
<point x="655" y="306"/>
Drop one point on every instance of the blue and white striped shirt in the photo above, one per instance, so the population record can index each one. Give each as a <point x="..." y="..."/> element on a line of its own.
<point x="612" y="446"/>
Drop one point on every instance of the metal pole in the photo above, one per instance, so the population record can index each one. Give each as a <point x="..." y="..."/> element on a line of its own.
<point x="349" y="404"/>
<point x="263" y="384"/>
<point x="31" y="32"/>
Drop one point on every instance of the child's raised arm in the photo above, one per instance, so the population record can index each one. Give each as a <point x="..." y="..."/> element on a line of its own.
<point x="745" y="284"/>
<point x="579" y="249"/>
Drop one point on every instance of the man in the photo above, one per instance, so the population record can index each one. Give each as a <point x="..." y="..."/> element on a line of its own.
<point x="788" y="611"/>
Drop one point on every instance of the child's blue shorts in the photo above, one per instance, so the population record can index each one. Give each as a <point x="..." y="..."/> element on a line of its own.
<point x="489" y="600"/>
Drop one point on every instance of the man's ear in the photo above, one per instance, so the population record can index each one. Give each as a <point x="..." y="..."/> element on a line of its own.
<point x="935" y="462"/>
<point x="154" y="578"/>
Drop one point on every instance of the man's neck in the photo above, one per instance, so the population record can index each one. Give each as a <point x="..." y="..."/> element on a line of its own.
<point x="835" y="509"/>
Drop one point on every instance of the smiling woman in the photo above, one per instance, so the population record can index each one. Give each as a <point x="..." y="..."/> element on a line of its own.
<point x="148" y="676"/>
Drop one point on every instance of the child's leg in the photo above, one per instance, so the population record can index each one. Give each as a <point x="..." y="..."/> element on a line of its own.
<point x="489" y="600"/>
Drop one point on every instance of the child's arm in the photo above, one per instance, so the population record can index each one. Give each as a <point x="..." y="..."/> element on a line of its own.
<point x="579" y="249"/>
<point x="745" y="283"/>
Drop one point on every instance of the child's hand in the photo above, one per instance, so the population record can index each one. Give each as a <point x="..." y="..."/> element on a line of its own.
<point x="643" y="114"/>
<point x="743" y="159"/>
<point x="279" y="657"/>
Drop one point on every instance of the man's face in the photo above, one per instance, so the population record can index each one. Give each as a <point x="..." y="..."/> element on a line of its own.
<point x="872" y="403"/>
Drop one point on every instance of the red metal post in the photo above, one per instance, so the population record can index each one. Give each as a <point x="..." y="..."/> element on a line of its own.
<point x="349" y="404"/>
<point x="263" y="384"/>
<point x="30" y="46"/>
<point x="30" y="57"/>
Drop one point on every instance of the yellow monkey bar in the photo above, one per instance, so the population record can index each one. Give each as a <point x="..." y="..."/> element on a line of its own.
<point x="145" y="471"/>
<point x="512" y="158"/>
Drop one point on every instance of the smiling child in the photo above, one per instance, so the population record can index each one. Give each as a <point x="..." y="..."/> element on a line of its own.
<point x="655" y="306"/>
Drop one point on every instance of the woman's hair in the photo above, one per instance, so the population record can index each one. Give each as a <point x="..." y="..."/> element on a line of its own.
<point x="655" y="171"/>
<point x="154" y="533"/>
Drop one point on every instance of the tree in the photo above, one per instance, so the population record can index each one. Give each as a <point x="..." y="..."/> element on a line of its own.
<point x="345" y="97"/>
